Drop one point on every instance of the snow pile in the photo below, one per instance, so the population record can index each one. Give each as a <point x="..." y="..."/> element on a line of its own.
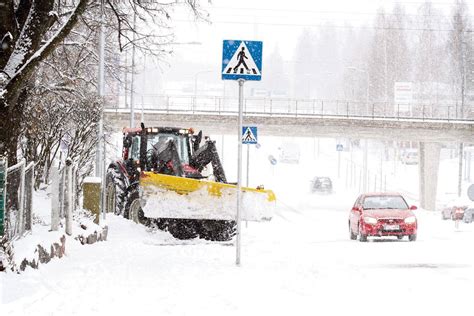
<point x="40" y="245"/>
<point x="161" y="203"/>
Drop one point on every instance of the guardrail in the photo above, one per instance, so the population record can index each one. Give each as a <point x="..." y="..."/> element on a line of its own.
<point x="293" y="107"/>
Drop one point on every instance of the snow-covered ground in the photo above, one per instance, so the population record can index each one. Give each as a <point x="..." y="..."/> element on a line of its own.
<point x="300" y="263"/>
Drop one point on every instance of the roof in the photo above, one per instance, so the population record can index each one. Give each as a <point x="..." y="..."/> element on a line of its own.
<point x="381" y="193"/>
<point x="155" y="130"/>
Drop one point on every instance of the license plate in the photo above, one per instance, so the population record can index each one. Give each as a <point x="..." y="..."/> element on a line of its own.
<point x="391" y="227"/>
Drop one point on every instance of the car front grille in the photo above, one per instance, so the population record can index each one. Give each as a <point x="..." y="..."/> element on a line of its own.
<point x="391" y="221"/>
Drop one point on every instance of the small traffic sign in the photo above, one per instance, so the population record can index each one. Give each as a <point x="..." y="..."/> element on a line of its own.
<point x="470" y="192"/>
<point x="339" y="147"/>
<point x="249" y="134"/>
<point x="242" y="60"/>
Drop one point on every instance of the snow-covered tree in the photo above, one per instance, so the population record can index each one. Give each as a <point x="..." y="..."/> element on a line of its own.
<point x="31" y="30"/>
<point x="430" y="60"/>
<point x="461" y="50"/>
<point x="304" y="63"/>
<point x="378" y="65"/>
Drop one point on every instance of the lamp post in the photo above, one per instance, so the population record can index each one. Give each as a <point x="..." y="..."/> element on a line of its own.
<point x="365" y="152"/>
<point x="368" y="85"/>
<point x="195" y="85"/>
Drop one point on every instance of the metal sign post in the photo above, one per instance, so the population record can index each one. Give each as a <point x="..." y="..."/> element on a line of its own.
<point x="339" y="148"/>
<point x="241" y="61"/>
<point x="239" y="173"/>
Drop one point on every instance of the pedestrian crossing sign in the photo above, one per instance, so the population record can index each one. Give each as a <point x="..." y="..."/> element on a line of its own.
<point x="242" y="60"/>
<point x="249" y="135"/>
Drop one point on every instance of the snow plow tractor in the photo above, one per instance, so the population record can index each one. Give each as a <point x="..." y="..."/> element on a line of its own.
<point x="159" y="181"/>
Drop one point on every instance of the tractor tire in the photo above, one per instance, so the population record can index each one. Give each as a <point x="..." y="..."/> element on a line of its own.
<point x="182" y="228"/>
<point x="217" y="230"/>
<point x="133" y="209"/>
<point x="115" y="191"/>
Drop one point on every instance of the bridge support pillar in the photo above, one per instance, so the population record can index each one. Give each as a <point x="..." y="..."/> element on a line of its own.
<point x="428" y="174"/>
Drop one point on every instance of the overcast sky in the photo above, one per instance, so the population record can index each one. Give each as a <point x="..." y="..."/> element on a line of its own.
<point x="276" y="22"/>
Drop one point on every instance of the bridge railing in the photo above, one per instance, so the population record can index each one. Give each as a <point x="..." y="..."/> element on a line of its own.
<point x="293" y="107"/>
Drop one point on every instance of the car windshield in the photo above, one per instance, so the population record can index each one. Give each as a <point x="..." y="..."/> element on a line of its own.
<point x="384" y="202"/>
<point x="180" y="141"/>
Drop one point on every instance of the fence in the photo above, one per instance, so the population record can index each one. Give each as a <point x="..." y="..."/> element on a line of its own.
<point x="17" y="199"/>
<point x="64" y="200"/>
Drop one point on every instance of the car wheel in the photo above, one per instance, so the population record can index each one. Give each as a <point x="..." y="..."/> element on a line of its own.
<point x="362" y="237"/>
<point x="412" y="237"/>
<point x="400" y="237"/>
<point x="351" y="234"/>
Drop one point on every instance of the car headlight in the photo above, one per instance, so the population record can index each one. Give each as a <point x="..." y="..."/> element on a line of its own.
<point x="410" y="220"/>
<point x="370" y="220"/>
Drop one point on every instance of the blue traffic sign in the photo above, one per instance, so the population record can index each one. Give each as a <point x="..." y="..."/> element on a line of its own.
<point x="249" y="134"/>
<point x="242" y="60"/>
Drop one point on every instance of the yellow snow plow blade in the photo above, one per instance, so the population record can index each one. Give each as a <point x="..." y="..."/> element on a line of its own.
<point x="166" y="196"/>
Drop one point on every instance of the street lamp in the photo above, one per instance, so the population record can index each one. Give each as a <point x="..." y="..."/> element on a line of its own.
<point x="195" y="84"/>
<point x="365" y="153"/>
<point x="368" y="84"/>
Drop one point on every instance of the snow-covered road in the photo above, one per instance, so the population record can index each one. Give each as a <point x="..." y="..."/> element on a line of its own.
<point x="300" y="263"/>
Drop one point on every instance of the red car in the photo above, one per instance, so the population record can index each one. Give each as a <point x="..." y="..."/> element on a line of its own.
<point x="382" y="214"/>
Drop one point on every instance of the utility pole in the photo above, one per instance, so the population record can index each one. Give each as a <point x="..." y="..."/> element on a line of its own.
<point x="132" y="87"/>
<point x="101" y="151"/>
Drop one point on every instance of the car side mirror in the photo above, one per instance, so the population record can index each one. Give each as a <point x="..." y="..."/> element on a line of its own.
<point x="413" y="207"/>
<point x="356" y="209"/>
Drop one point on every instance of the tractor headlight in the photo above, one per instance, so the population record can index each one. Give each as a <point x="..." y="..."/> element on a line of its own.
<point x="410" y="220"/>
<point x="370" y="220"/>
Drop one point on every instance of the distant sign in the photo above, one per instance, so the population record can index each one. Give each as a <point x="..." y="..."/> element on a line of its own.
<point x="339" y="147"/>
<point x="470" y="192"/>
<point x="272" y="160"/>
<point x="242" y="60"/>
<point x="403" y="95"/>
<point x="249" y="135"/>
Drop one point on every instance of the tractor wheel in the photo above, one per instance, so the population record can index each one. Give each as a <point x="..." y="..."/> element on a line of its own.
<point x="133" y="209"/>
<point x="115" y="191"/>
<point x="182" y="228"/>
<point x="217" y="230"/>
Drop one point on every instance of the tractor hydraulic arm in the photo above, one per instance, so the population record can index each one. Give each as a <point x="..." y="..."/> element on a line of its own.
<point x="208" y="154"/>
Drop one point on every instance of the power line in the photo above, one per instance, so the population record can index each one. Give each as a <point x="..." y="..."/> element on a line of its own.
<point x="286" y="11"/>
<point x="334" y="26"/>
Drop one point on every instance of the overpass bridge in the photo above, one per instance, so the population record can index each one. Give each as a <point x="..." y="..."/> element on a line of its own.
<point x="304" y="118"/>
<point x="430" y="125"/>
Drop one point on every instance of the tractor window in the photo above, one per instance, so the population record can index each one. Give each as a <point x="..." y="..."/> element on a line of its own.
<point x="135" y="151"/>
<point x="181" y="144"/>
